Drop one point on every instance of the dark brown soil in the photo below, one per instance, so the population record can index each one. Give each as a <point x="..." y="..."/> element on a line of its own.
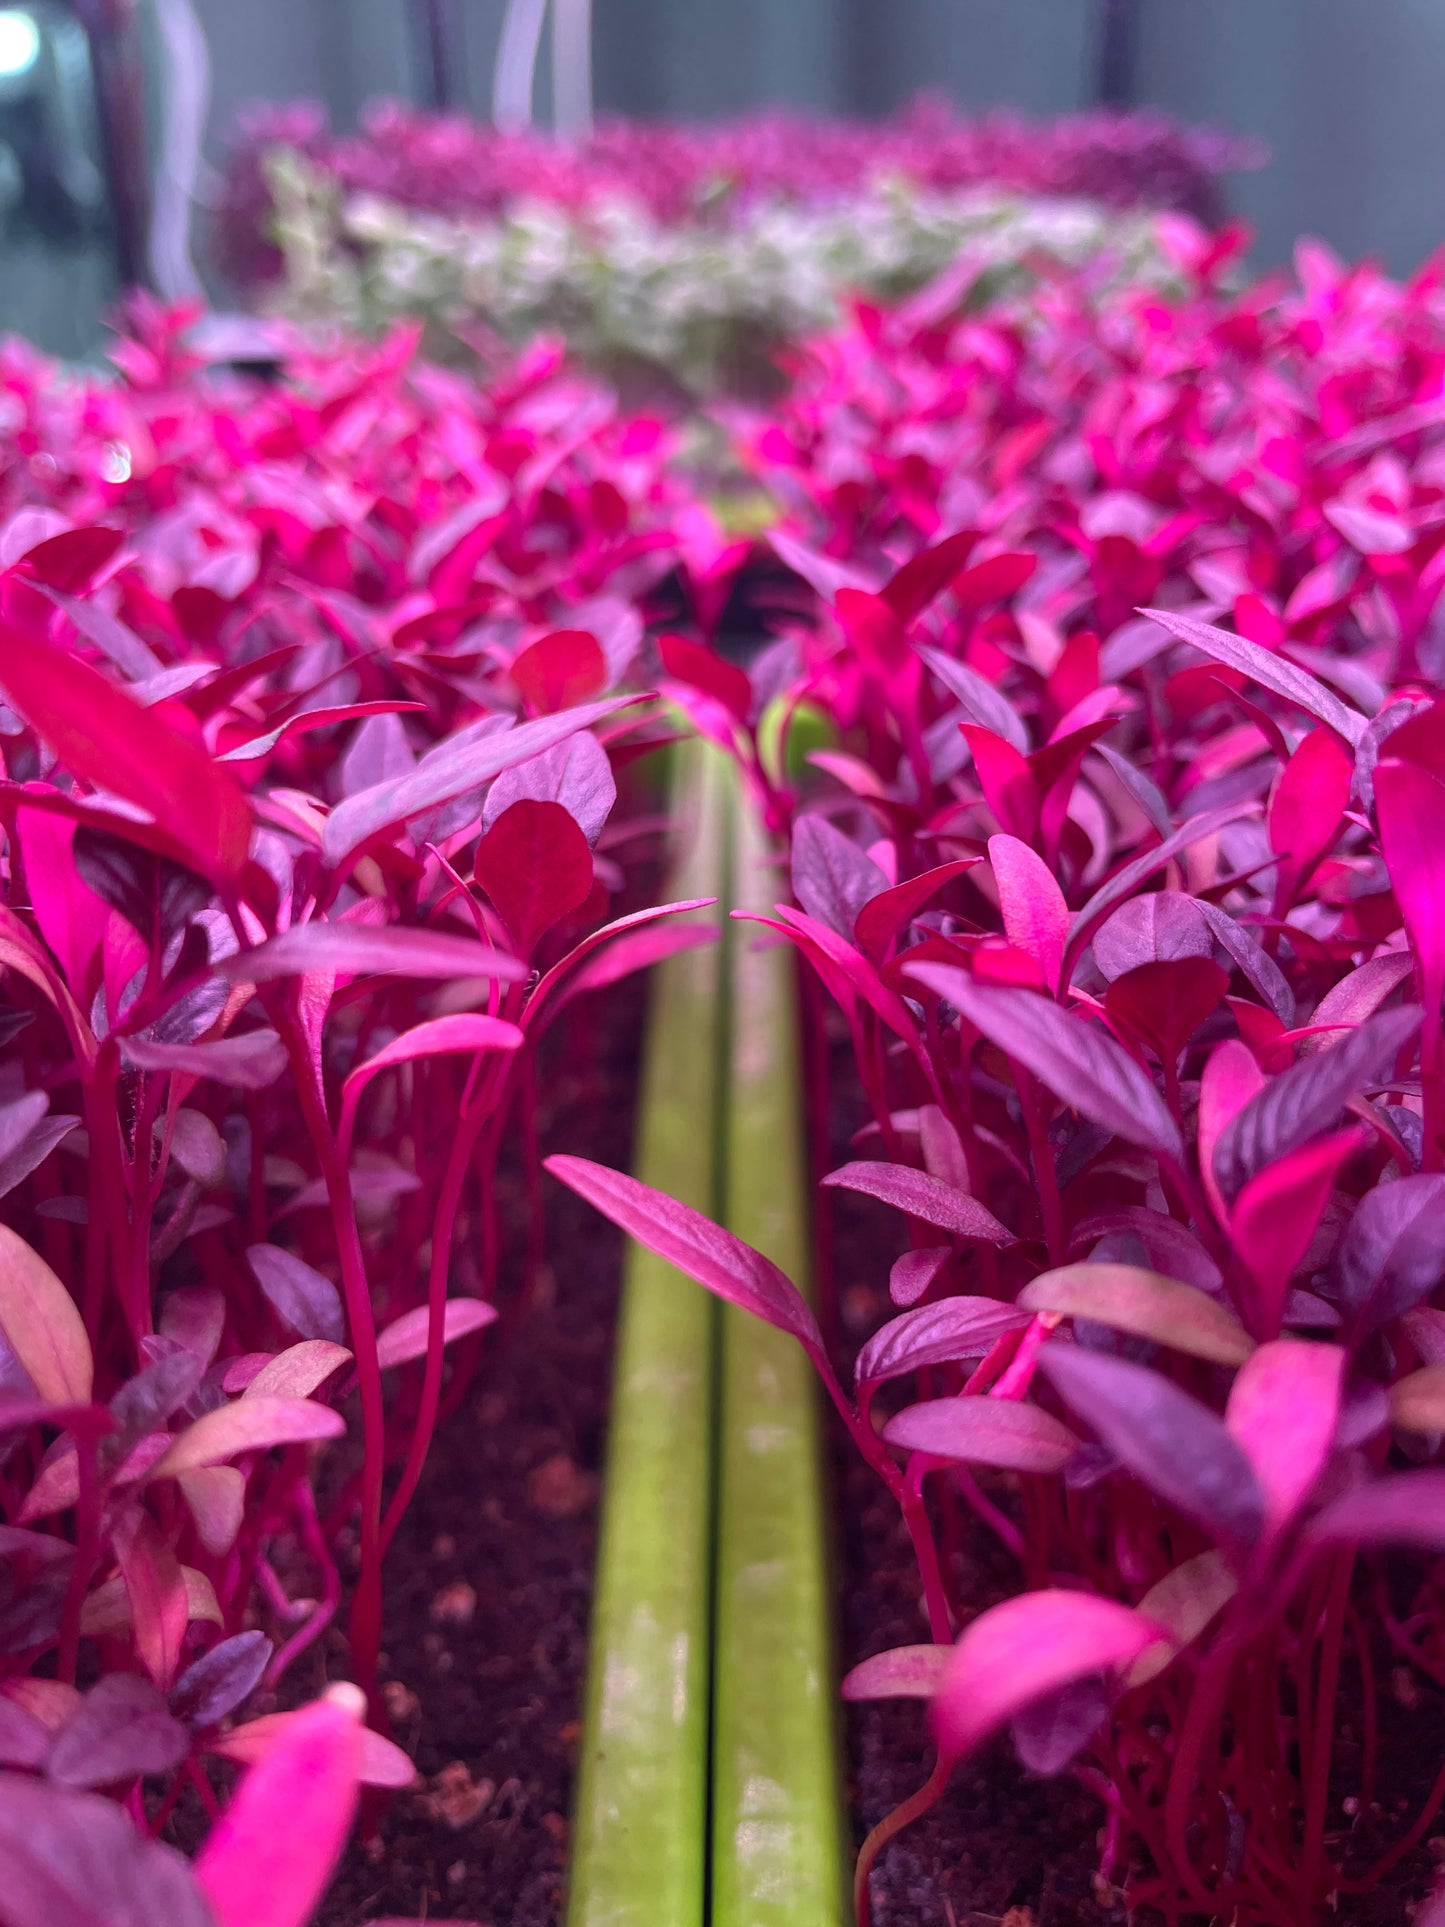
<point x="489" y="1582"/>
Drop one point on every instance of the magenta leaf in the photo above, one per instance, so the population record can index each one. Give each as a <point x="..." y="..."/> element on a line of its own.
<point x="111" y="741"/>
<point x="1125" y="882"/>
<point x="1035" y="915"/>
<point x="932" y="1335"/>
<point x="1078" y="1062"/>
<point x="1270" y="671"/>
<point x="535" y="865"/>
<point x="78" y="1859"/>
<point x="216" y="1683"/>
<point x="697" y="1246"/>
<point x="1410" y="804"/>
<point x="1274" y="1218"/>
<point x="1017" y="1652"/>
<point x="464" y="1034"/>
<point x="360" y="949"/>
<point x="1170" y="1442"/>
<point x="927" y="574"/>
<point x="1308" y="1098"/>
<point x="268" y="1858"/>
<point x="1002" y="1432"/>
<point x="832" y="877"/>
<point x="305" y="1300"/>
<point x="922" y="1196"/>
<point x="120" y="1730"/>
<point x="1392" y="1255"/>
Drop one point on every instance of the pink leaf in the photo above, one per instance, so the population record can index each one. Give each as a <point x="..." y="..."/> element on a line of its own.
<point x="927" y="574"/>
<point x="465" y="1034"/>
<point x="1035" y="916"/>
<point x="406" y="1337"/>
<point x="1284" y="1407"/>
<point x="922" y="1196"/>
<point x="1231" y="1078"/>
<point x="1145" y="1304"/>
<point x="156" y="1587"/>
<point x="911" y="1275"/>
<point x="907" y="1672"/>
<point x="249" y="1425"/>
<point x="1308" y="804"/>
<point x="248" y="1062"/>
<point x="832" y="878"/>
<point x="1017" y="1652"/>
<point x="298" y="1371"/>
<point x="42" y="1324"/>
<point x="1007" y="782"/>
<point x="705" y="1251"/>
<point x="268" y="1859"/>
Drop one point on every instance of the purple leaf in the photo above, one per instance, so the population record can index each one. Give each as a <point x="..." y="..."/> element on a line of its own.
<point x="685" y="1238"/>
<point x="1170" y="1442"/>
<point x="1401" y="1509"/>
<point x="33" y="1149"/>
<point x="913" y="1273"/>
<point x="249" y="1062"/>
<point x="577" y="774"/>
<point x="1308" y="1098"/>
<point x="1003" y="1432"/>
<point x="451" y="770"/>
<point x="904" y="1672"/>
<point x="24" y="1740"/>
<point x="1050" y="1733"/>
<point x="216" y="1683"/>
<point x="1125" y="882"/>
<point x="924" y="1197"/>
<point x="832" y="877"/>
<point x="78" y="1859"/>
<point x="1270" y="671"/>
<point x="1144" y="1304"/>
<point x="933" y="1334"/>
<point x="981" y="702"/>
<point x="1078" y="1062"/>
<point x="120" y="1730"/>
<point x="359" y="948"/>
<point x="1255" y="962"/>
<point x="305" y="1300"/>
<point x="1016" y="1653"/>
<point x="1392" y="1255"/>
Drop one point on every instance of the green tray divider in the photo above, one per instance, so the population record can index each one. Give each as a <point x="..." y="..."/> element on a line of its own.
<point x="777" y="1837"/>
<point x="639" y="1836"/>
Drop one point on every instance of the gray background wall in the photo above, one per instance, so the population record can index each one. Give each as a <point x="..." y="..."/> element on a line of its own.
<point x="1348" y="94"/>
